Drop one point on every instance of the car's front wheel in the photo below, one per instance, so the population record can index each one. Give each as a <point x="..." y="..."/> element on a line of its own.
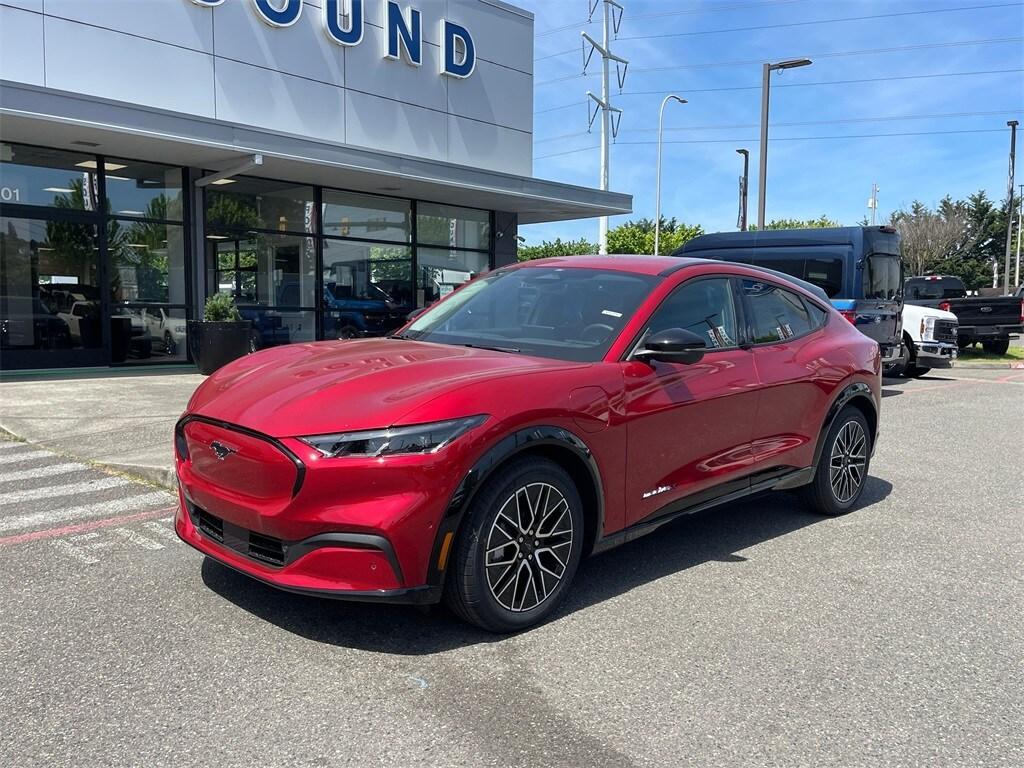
<point x="843" y="467"/>
<point x="518" y="549"/>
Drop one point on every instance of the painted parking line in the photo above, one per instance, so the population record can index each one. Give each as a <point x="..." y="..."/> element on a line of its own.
<point x="15" y="457"/>
<point x="49" y="470"/>
<point x="91" y="525"/>
<point x="57" y="491"/>
<point x="54" y="516"/>
<point x="6" y="445"/>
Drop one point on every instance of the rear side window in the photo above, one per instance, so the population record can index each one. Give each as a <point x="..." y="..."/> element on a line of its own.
<point x="818" y="315"/>
<point x="882" y="277"/>
<point x="942" y="288"/>
<point x="775" y="313"/>
<point x="827" y="274"/>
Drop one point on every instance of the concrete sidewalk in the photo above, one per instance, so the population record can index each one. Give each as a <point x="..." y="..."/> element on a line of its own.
<point x="121" y="422"/>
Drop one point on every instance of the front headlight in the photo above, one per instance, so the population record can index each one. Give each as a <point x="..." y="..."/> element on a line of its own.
<point x="927" y="329"/>
<point x="394" y="441"/>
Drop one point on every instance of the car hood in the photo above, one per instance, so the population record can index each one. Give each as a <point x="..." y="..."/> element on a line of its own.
<point x="336" y="386"/>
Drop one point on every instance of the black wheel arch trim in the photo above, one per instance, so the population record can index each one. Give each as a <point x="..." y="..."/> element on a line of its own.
<point x="506" y="448"/>
<point x="855" y="391"/>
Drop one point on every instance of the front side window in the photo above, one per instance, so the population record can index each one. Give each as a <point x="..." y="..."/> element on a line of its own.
<point x="560" y="313"/>
<point x="776" y="314"/>
<point x="704" y="307"/>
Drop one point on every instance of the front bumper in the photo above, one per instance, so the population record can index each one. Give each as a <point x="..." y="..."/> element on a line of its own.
<point x="934" y="354"/>
<point x="360" y="567"/>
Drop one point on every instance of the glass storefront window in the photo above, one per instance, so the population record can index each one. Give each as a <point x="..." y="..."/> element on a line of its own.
<point x="442" y="271"/>
<point x="367" y="288"/>
<point x="347" y="214"/>
<point x="273" y="327"/>
<point x="49" y="295"/>
<point x="50" y="177"/>
<point x="259" y="204"/>
<point x="147" y="262"/>
<point x="144" y="189"/>
<point x="272" y="270"/>
<point x="448" y="226"/>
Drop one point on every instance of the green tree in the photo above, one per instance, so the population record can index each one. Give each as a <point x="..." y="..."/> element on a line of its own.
<point x="556" y="247"/>
<point x="821" y="222"/>
<point x="638" y="236"/>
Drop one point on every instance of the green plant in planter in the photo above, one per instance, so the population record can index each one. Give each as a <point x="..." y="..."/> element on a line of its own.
<point x="221" y="308"/>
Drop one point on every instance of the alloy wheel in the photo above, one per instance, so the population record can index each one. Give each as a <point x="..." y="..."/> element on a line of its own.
<point x="848" y="462"/>
<point x="528" y="547"/>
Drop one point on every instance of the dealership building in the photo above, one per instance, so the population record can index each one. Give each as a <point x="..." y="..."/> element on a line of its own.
<point x="331" y="164"/>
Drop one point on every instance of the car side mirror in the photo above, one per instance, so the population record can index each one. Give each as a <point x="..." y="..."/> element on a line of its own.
<point x="673" y="345"/>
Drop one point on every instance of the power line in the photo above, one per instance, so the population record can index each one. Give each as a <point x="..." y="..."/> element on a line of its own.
<point x="801" y="85"/>
<point x="828" y="55"/>
<point x="837" y="121"/>
<point x="790" y="24"/>
<point x="789" y="138"/>
<point x="842" y="20"/>
<point x="705" y="9"/>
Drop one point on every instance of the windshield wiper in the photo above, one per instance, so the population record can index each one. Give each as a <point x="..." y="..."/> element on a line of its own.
<point x="512" y="350"/>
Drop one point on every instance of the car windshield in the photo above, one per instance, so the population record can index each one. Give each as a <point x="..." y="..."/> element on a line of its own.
<point x="561" y="313"/>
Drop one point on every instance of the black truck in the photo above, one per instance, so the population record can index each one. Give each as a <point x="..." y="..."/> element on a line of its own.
<point x="991" y="320"/>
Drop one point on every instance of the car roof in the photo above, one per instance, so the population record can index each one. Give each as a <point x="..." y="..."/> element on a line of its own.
<point x="662" y="266"/>
<point x="619" y="262"/>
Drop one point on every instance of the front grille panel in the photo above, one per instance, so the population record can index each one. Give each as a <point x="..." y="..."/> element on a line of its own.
<point x="265" y="549"/>
<point x="945" y="330"/>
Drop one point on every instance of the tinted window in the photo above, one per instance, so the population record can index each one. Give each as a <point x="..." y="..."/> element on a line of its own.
<point x="776" y="314"/>
<point x="818" y="315"/>
<point x="704" y="307"/>
<point x="566" y="314"/>
<point x="882" y="277"/>
<point x="943" y="288"/>
<point x="826" y="273"/>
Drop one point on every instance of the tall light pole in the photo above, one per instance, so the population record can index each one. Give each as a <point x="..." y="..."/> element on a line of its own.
<point x="1009" y="204"/>
<point x="657" y="186"/>
<point x="766" y="74"/>
<point x="1020" y="234"/>
<point x="741" y="222"/>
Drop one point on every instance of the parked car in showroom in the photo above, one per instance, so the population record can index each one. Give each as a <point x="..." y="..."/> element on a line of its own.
<point x="27" y="323"/>
<point x="168" y="331"/>
<point x="929" y="341"/>
<point x="990" y="320"/>
<point x="544" y="412"/>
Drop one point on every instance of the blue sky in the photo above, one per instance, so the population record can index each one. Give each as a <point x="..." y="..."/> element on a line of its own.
<point x="805" y="178"/>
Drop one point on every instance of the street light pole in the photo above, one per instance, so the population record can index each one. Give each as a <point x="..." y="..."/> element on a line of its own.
<point x="657" y="186"/>
<point x="744" y="179"/>
<point x="766" y="75"/>
<point x="1009" y="204"/>
<point x="1020" y="234"/>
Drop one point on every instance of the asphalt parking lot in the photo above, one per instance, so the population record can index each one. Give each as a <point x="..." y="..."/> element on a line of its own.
<point x="753" y="635"/>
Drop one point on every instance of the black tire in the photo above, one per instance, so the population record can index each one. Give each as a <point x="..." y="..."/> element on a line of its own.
<point x="916" y="371"/>
<point x="964" y="344"/>
<point x="820" y="494"/>
<point x="997" y="347"/>
<point x="480" y="596"/>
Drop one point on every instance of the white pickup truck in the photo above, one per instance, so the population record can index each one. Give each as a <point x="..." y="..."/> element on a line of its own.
<point x="929" y="341"/>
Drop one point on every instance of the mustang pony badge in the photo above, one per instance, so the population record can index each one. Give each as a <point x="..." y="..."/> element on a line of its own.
<point x="221" y="450"/>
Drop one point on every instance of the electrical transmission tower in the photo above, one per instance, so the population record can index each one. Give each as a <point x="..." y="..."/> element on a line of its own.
<point x="611" y="116"/>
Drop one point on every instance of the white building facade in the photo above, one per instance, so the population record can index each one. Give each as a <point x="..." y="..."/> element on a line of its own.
<point x="332" y="164"/>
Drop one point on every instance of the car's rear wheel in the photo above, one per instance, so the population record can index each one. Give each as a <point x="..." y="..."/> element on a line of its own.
<point x="843" y="467"/>
<point x="518" y="549"/>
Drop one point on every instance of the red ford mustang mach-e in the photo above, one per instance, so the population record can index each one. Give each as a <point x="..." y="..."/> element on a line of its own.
<point x="541" y="413"/>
